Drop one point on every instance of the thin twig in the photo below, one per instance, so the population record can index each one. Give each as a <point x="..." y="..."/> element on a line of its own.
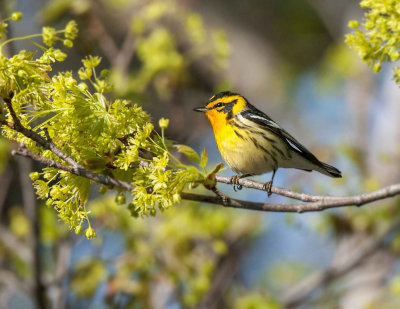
<point x="79" y="171"/>
<point x="17" y="126"/>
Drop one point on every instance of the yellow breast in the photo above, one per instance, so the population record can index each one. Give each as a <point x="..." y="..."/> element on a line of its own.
<point x="240" y="153"/>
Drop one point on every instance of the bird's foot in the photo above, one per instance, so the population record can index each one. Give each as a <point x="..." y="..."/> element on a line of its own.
<point x="235" y="182"/>
<point x="268" y="187"/>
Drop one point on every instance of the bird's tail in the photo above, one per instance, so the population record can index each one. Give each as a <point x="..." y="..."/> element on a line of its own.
<point x="329" y="170"/>
<point x="300" y="162"/>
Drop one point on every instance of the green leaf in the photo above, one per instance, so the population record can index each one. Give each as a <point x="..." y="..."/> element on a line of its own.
<point x="217" y="168"/>
<point x="84" y="190"/>
<point x="189" y="152"/>
<point x="210" y="181"/>
<point x="204" y="158"/>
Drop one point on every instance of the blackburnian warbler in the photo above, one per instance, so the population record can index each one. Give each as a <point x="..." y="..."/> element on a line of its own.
<point x="251" y="143"/>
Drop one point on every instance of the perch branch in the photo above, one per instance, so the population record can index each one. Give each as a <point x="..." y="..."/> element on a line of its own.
<point x="322" y="204"/>
<point x="310" y="203"/>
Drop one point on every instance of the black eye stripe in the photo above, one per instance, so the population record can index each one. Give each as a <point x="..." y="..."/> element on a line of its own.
<point x="226" y="105"/>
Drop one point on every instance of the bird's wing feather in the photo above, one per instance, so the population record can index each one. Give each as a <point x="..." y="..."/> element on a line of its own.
<point x="262" y="119"/>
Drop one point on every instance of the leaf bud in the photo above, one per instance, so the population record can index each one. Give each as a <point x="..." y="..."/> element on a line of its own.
<point x="16" y="16"/>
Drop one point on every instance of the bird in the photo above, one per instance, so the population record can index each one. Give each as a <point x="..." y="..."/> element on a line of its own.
<point x="251" y="143"/>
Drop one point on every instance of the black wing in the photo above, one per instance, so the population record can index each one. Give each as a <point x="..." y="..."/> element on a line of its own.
<point x="262" y="119"/>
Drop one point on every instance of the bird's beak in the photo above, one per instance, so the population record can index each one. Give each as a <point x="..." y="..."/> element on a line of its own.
<point x="200" y="109"/>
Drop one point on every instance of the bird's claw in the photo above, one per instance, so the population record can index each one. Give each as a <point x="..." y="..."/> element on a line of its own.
<point x="235" y="182"/>
<point x="268" y="188"/>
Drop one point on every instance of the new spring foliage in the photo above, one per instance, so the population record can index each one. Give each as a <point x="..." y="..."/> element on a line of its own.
<point x="110" y="137"/>
<point x="376" y="37"/>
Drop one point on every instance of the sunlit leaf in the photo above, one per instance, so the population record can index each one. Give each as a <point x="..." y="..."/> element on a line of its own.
<point x="188" y="152"/>
<point x="204" y="158"/>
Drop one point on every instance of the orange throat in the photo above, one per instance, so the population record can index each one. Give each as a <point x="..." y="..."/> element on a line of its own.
<point x="223" y="131"/>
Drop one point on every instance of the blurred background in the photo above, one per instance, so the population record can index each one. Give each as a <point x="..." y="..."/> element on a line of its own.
<point x="289" y="59"/>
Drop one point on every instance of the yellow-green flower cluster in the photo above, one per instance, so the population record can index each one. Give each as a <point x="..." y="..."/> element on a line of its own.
<point x="159" y="185"/>
<point x="377" y="37"/>
<point x="16" y="16"/>
<point x="50" y="35"/>
<point x="110" y="137"/>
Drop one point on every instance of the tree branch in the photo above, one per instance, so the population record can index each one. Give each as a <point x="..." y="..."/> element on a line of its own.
<point x="313" y="202"/>
<point x="76" y="168"/>
<point x="79" y="171"/>
<point x="321" y="204"/>
<point x="46" y="144"/>
<point x="251" y="184"/>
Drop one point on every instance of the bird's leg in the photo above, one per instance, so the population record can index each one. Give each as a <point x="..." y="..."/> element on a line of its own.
<point x="235" y="181"/>
<point x="268" y="185"/>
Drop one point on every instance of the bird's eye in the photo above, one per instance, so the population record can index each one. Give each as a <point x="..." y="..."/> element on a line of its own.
<point x="218" y="105"/>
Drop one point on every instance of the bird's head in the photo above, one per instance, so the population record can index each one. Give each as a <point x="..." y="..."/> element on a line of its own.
<point x="223" y="106"/>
